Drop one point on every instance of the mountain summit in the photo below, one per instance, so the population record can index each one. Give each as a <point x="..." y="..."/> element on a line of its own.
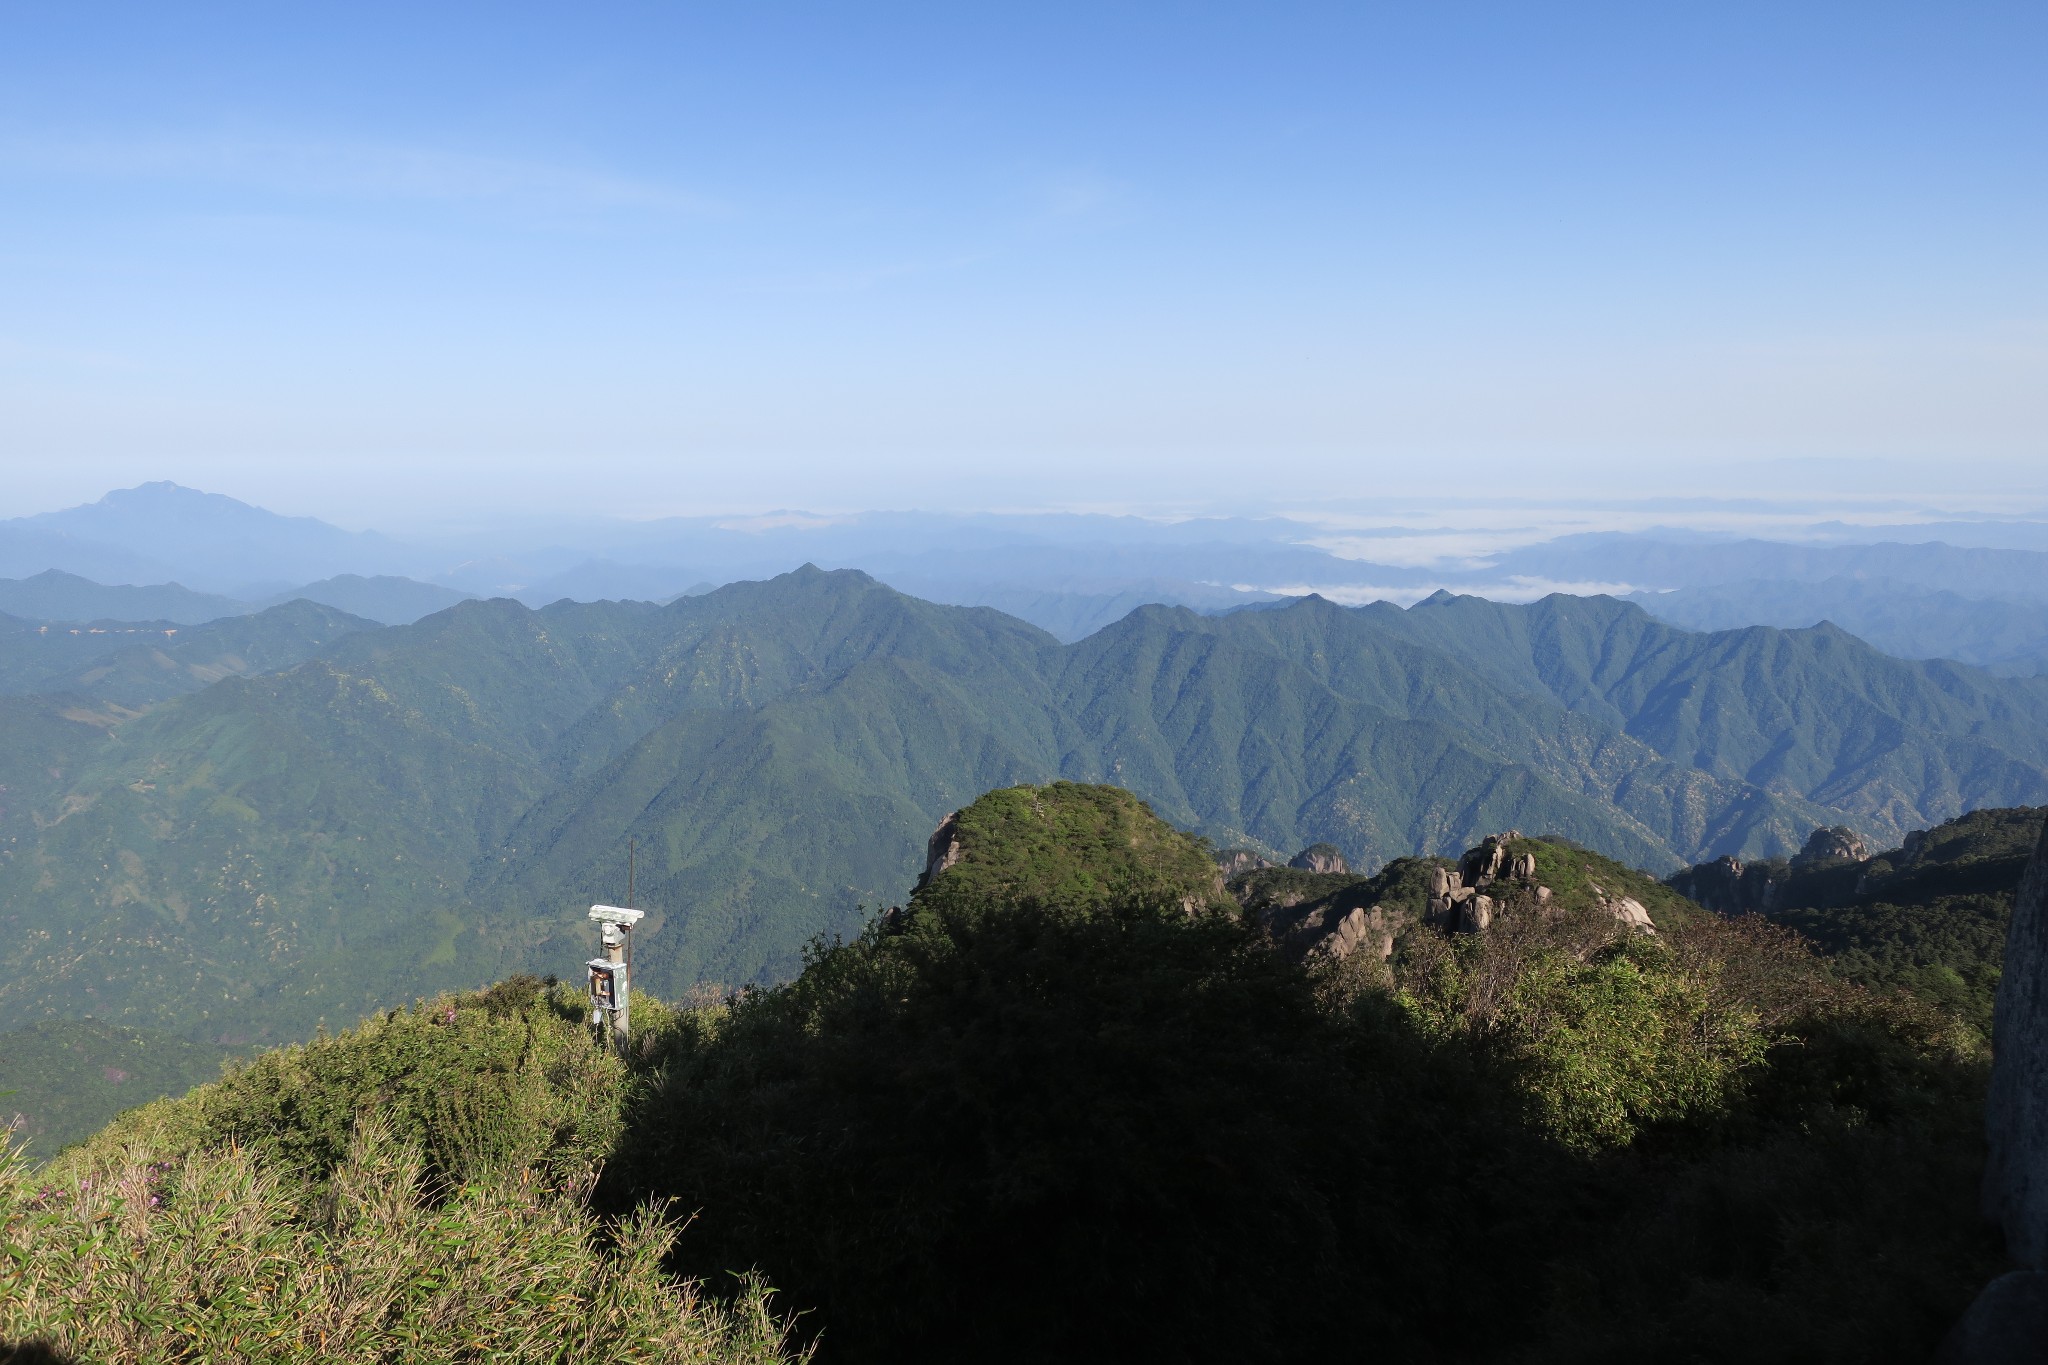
<point x="216" y="543"/>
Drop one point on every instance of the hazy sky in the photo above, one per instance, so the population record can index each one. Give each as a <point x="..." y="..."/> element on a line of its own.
<point x="675" y="257"/>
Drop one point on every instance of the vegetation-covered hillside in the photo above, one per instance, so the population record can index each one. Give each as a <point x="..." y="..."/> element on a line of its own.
<point x="135" y="666"/>
<point x="1025" y="1120"/>
<point x="66" y="1078"/>
<point x="1075" y="844"/>
<point x="426" y="807"/>
<point x="1929" y="916"/>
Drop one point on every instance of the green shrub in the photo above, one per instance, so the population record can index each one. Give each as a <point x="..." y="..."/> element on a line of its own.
<point x="217" y="1256"/>
<point x="1601" y="1033"/>
<point x="509" y="1076"/>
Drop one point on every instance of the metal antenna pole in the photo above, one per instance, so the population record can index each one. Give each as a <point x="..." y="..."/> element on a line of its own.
<point x="632" y="856"/>
<point x="610" y="976"/>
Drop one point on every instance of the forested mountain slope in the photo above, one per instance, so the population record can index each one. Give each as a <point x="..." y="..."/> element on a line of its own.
<point x="135" y="665"/>
<point x="431" y="805"/>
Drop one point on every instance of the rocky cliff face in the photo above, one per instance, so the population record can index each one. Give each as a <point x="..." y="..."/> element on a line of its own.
<point x="1831" y="844"/>
<point x="1728" y="886"/>
<point x="2016" y="1115"/>
<point x="1239" y="860"/>
<point x="941" y="851"/>
<point x="1320" y="858"/>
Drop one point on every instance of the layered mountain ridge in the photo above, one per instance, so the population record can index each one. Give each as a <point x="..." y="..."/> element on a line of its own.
<point x="429" y="805"/>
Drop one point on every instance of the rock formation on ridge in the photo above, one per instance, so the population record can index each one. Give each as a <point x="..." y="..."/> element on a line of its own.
<point x="1320" y="858"/>
<point x="1831" y="844"/>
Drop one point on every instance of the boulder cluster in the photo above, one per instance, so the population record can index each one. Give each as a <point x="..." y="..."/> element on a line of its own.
<point x="1831" y="844"/>
<point x="1458" y="897"/>
<point x="1464" y="899"/>
<point x="1332" y="931"/>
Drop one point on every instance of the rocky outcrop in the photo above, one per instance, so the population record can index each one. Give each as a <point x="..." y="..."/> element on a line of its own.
<point x="1332" y="931"/>
<point x="1465" y="899"/>
<point x="1625" y="909"/>
<point x="1238" y="861"/>
<point x="942" y="850"/>
<point x="1320" y="858"/>
<point x="1492" y="861"/>
<point x="2016" y="1112"/>
<point x="1831" y="844"/>
<point x="1728" y="886"/>
<point x="1458" y="900"/>
<point x="1634" y="914"/>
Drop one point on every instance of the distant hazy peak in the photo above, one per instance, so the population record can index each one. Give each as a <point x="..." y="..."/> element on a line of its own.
<point x="163" y="498"/>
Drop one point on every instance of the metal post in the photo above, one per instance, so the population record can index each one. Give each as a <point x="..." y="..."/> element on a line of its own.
<point x="610" y="976"/>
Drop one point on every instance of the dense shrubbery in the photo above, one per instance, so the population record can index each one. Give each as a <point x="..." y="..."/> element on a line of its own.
<point x="1604" y="1035"/>
<point x="1948" y="950"/>
<point x="1928" y="918"/>
<point x="508" y="1076"/>
<point x="218" y="1255"/>
<point x="1036" y="1132"/>
<point x="1028" y="1132"/>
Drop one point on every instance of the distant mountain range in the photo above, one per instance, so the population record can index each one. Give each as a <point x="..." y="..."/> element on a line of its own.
<point x="54" y="595"/>
<point x="1978" y="601"/>
<point x="136" y="666"/>
<point x="1899" y="618"/>
<point x="431" y="804"/>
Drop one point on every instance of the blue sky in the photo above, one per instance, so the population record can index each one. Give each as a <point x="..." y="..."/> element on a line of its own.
<point x="637" y="258"/>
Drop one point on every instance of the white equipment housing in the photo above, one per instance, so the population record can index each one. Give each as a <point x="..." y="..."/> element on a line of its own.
<point x="610" y="977"/>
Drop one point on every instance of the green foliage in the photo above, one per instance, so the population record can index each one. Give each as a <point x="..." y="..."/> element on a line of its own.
<point x="1830" y="1215"/>
<point x="1928" y="917"/>
<point x="509" y="1077"/>
<point x="1701" y="1145"/>
<point x="218" y="1255"/>
<point x="950" y="1122"/>
<point x="938" y="1134"/>
<point x="1073" y="845"/>
<point x="1603" y="1036"/>
<point x="1948" y="949"/>
<point x="67" y="1079"/>
<point x="1610" y="1046"/>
